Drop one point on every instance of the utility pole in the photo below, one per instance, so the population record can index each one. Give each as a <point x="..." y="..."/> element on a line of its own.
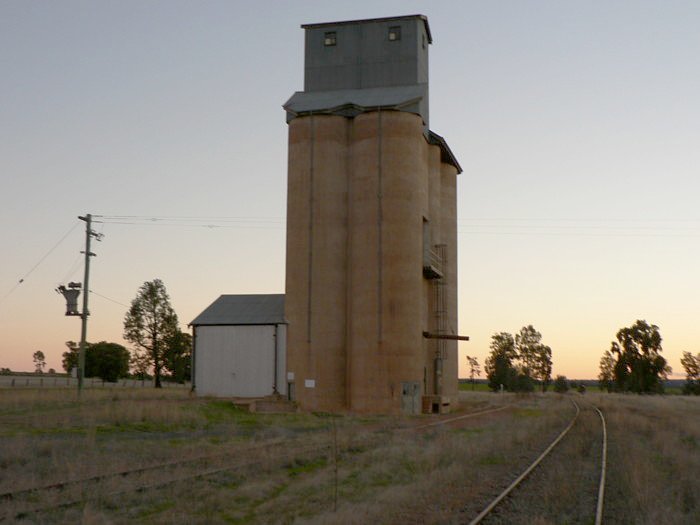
<point x="86" y="293"/>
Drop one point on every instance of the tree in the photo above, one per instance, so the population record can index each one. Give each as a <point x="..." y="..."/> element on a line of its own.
<point x="474" y="369"/>
<point x="543" y="367"/>
<point x="70" y="358"/>
<point x="639" y="366"/>
<point x="178" y="357"/>
<point x="606" y="378"/>
<point x="140" y="364"/>
<point x="39" y="361"/>
<point x="691" y="364"/>
<point x="151" y="324"/>
<point x="535" y="357"/>
<point x="527" y="343"/>
<point x="499" y="366"/>
<point x="561" y="385"/>
<point x="108" y="361"/>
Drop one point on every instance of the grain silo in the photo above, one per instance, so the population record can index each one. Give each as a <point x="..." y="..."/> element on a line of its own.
<point x="371" y="282"/>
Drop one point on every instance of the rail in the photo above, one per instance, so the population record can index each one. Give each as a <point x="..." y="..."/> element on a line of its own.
<point x="601" y="486"/>
<point x="284" y="453"/>
<point x="603" y="466"/>
<point x="527" y="471"/>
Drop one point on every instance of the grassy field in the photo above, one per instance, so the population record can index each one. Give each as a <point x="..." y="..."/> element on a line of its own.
<point x="214" y="463"/>
<point x="476" y="387"/>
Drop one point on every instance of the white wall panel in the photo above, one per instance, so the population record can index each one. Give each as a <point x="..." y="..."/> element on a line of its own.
<point x="238" y="361"/>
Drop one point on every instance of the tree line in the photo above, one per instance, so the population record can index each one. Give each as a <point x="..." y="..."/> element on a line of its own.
<point x="634" y="363"/>
<point x="161" y="350"/>
<point x="517" y="363"/>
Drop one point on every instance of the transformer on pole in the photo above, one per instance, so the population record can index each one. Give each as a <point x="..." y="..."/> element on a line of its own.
<point x="72" y="292"/>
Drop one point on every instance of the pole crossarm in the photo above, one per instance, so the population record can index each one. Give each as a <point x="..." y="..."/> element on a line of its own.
<point x="430" y="335"/>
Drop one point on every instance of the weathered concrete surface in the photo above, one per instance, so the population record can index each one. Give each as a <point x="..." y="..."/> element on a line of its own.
<point x="357" y="302"/>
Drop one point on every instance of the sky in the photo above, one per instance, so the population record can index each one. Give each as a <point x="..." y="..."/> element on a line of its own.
<point x="577" y="125"/>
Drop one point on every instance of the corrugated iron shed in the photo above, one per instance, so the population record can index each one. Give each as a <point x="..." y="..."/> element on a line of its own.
<point x="243" y="310"/>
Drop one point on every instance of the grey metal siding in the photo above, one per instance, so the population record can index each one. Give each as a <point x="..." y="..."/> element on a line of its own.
<point x="236" y="361"/>
<point x="364" y="57"/>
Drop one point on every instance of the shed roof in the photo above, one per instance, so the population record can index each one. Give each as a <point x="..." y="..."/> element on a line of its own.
<point x="243" y="310"/>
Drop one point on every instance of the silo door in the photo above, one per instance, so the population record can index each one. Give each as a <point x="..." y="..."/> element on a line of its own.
<point x="410" y="397"/>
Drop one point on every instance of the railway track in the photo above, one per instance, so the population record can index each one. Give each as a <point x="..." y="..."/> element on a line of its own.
<point x="61" y="494"/>
<point x="512" y="489"/>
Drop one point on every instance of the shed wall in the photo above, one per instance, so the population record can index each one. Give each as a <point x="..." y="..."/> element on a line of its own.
<point x="239" y="361"/>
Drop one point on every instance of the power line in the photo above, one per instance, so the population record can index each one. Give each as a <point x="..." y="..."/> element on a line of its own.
<point x="73" y="268"/>
<point x="473" y="225"/>
<point x="198" y="222"/>
<point x="109" y="299"/>
<point x="581" y="234"/>
<point x="40" y="261"/>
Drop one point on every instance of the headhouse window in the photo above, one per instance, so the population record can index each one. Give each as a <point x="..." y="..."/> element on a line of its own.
<point x="394" y="33"/>
<point x="329" y="39"/>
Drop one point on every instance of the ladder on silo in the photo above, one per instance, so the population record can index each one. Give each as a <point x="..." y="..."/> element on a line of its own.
<point x="440" y="316"/>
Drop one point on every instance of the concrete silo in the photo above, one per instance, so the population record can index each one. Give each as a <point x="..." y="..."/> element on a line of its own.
<point x="371" y="283"/>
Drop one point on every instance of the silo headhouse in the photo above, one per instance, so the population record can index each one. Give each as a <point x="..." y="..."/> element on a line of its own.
<point x="371" y="270"/>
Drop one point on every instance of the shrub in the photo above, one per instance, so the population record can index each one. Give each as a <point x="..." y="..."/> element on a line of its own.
<point x="561" y="384"/>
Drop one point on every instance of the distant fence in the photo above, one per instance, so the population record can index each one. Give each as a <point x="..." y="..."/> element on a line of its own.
<point x="39" y="381"/>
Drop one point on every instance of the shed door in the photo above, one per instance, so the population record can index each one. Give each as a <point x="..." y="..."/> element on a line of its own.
<point x="253" y="366"/>
<point x="235" y="361"/>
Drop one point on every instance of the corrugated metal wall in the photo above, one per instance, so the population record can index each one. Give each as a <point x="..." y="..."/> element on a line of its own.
<point x="239" y="361"/>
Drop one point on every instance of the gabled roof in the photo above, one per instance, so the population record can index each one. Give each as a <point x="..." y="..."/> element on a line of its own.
<point x="243" y="310"/>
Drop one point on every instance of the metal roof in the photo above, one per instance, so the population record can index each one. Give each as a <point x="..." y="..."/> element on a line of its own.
<point x="370" y="20"/>
<point x="243" y="310"/>
<point x="446" y="154"/>
<point x="350" y="102"/>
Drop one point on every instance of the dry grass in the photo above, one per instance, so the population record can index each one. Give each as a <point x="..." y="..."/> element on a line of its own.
<point x="387" y="472"/>
<point x="654" y="459"/>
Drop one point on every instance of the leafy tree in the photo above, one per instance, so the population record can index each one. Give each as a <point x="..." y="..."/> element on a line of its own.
<point x="474" y="369"/>
<point x="522" y="383"/>
<point x="500" y="368"/>
<point x="39" y="361"/>
<point x="527" y="343"/>
<point x="639" y="366"/>
<point x="108" y="361"/>
<point x="140" y="364"/>
<point x="606" y="378"/>
<point x="543" y="368"/>
<point x="151" y="324"/>
<point x="561" y="385"/>
<point x="535" y="357"/>
<point x="691" y="364"/>
<point x="178" y="357"/>
<point x="70" y="358"/>
<point x="516" y="362"/>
